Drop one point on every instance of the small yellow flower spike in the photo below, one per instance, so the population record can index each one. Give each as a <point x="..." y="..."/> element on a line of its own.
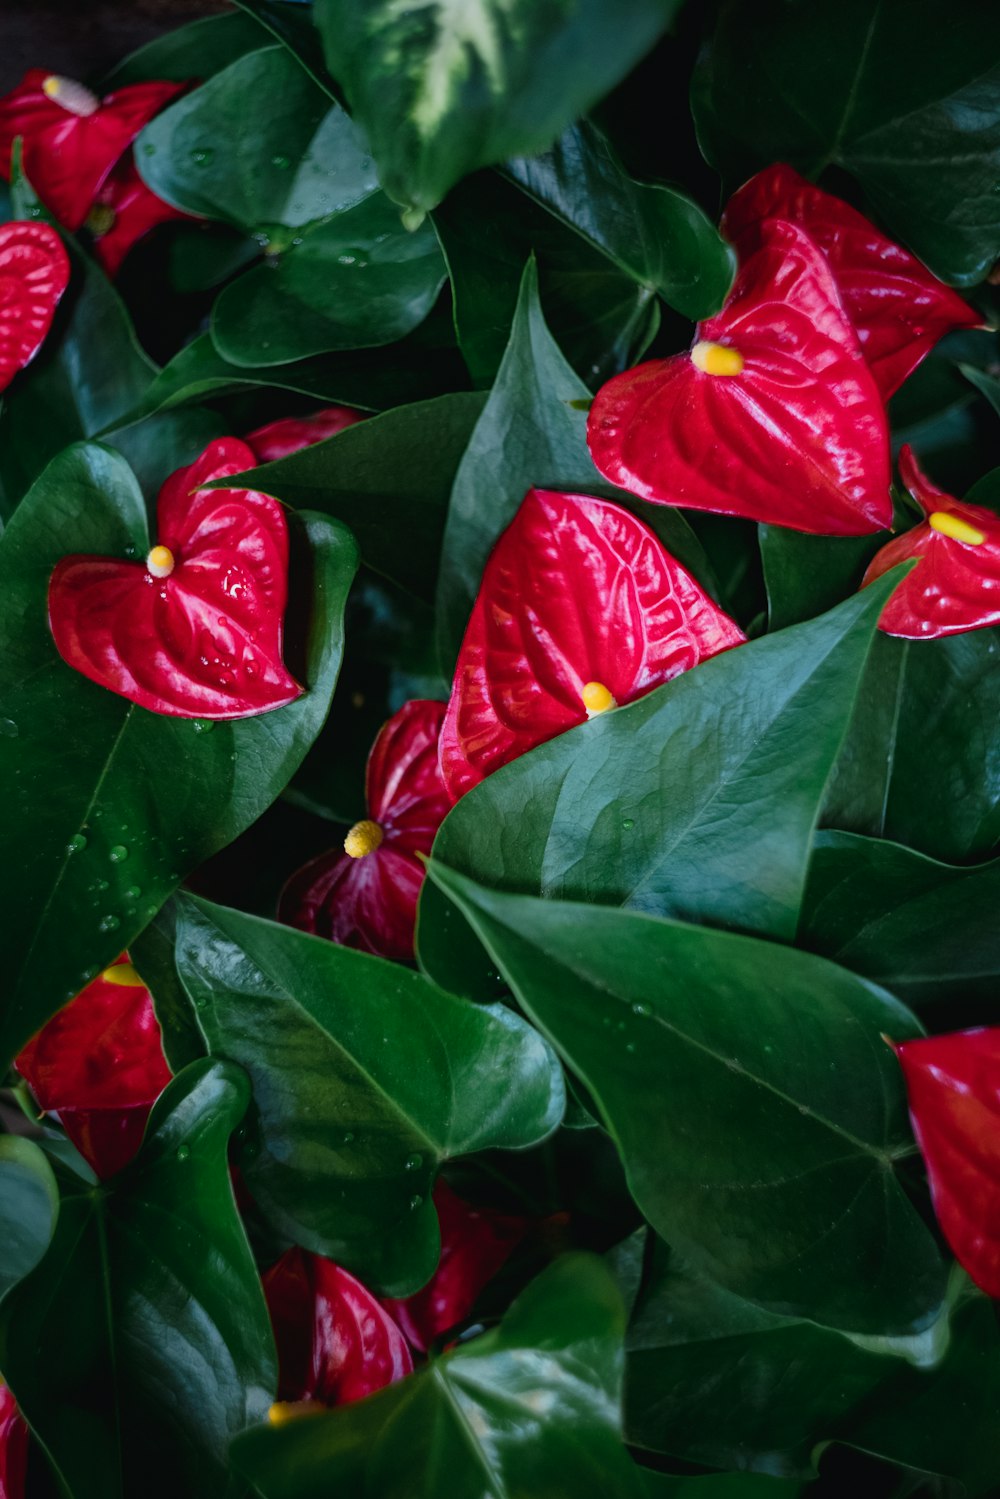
<point x="70" y="95"/>
<point x="283" y="1411"/>
<point x="597" y="698"/>
<point x="956" y="528"/>
<point x="101" y="219"/>
<point x="123" y="973"/>
<point x="160" y="562"/>
<point x="716" y="359"/>
<point x="364" y="838"/>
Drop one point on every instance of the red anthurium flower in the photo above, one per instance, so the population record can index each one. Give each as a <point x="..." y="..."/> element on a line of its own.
<point x="773" y="415"/>
<point x="195" y="630"/>
<point x="956" y="586"/>
<point x="72" y="138"/>
<point x="13" y="1447"/>
<point x="125" y="210"/>
<point x="475" y="1244"/>
<point x="34" y="273"/>
<point x="99" y="1065"/>
<point x="293" y="433"/>
<point x="335" y="1342"/>
<point x="953" y="1084"/>
<point x="580" y="610"/>
<point x="899" y="310"/>
<point x="364" y="894"/>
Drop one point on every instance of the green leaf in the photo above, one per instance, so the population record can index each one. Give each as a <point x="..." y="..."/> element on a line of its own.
<point x="941" y="415"/>
<point x="768" y="1159"/>
<point x="901" y="93"/>
<point x="988" y="385"/>
<point x="140" y="1345"/>
<point x="655" y="234"/>
<point x="353" y="281"/>
<point x="290" y="22"/>
<point x="366" y="1078"/>
<point x="389" y="479"/>
<point x="806" y="575"/>
<point x="530" y="1408"/>
<point x="533" y="431"/>
<point x="90" y="771"/>
<point x="697" y="801"/>
<point x="921" y="762"/>
<point x="442" y="90"/>
<point x="925" y="930"/>
<point x="29" y="1208"/>
<point x="198" y="50"/>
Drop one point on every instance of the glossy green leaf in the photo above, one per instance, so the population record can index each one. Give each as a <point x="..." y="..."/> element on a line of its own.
<point x="29" y="1208"/>
<point x="768" y="1158"/>
<point x="196" y="51"/>
<point x="140" y="1345"/>
<point x="901" y="93"/>
<point x="925" y="930"/>
<point x="806" y="575"/>
<point x="290" y="22"/>
<point x="389" y="479"/>
<point x="530" y="1408"/>
<point x="921" y="762"/>
<point x="697" y="801"/>
<point x="90" y="772"/>
<point x="941" y="414"/>
<point x="532" y="432"/>
<point x="656" y="234"/>
<point x="442" y="90"/>
<point x="366" y="1077"/>
<point x="718" y="1486"/>
<point x="988" y="385"/>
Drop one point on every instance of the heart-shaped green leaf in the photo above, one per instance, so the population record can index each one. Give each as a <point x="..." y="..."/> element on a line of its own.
<point x="29" y="1208"/>
<point x="111" y="805"/>
<point x="366" y="1077"/>
<point x="768" y="1158"/>
<point x="140" y="1344"/>
<point x="198" y="50"/>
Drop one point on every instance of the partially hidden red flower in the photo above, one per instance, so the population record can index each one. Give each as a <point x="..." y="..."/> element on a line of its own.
<point x="335" y="1342"/>
<point x="34" y="273"/>
<point x="364" y="894"/>
<point x="581" y="609"/>
<point x="124" y="211"/>
<point x="475" y="1244"/>
<point x="956" y="585"/>
<point x="13" y="1447"/>
<point x="772" y="415"/>
<point x="953" y="1083"/>
<point x="71" y="138"/>
<point x="898" y="308"/>
<point x="293" y="433"/>
<point x="195" y="630"/>
<point x="99" y="1065"/>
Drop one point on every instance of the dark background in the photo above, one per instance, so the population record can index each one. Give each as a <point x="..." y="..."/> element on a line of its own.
<point x="84" y="38"/>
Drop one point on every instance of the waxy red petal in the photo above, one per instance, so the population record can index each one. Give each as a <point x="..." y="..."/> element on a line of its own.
<point x="475" y="1245"/>
<point x="136" y="210"/>
<point x="898" y="308"/>
<point x="335" y="1342"/>
<point x="34" y="273"/>
<point x="953" y="1083"/>
<point x="293" y="433"/>
<point x="371" y="903"/>
<point x="956" y="586"/>
<point x="67" y="156"/>
<point x="576" y="591"/>
<point x="13" y="1447"/>
<point x="99" y="1065"/>
<point x="798" y="438"/>
<point x="204" y="642"/>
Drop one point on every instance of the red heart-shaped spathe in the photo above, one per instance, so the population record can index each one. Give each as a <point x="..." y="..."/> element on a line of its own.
<point x="71" y="139"/>
<point x="953" y="1083"/>
<point x="335" y="1342"/>
<point x="369" y="901"/>
<point x="956" y="586"/>
<point x="293" y="433"/>
<point x="576" y="593"/>
<point x="898" y="308"/>
<point x="13" y="1447"/>
<point x="204" y="641"/>
<point x="99" y="1065"/>
<point x="124" y="212"/>
<point x="797" y="437"/>
<point x="475" y="1244"/>
<point x="34" y="273"/>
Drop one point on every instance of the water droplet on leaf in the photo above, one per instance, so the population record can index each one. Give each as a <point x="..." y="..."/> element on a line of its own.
<point x="416" y="1201"/>
<point x="413" y="1162"/>
<point x="118" y="854"/>
<point x="109" y="923"/>
<point x="76" y="844"/>
<point x="8" y="728"/>
<point x="183" y="1152"/>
